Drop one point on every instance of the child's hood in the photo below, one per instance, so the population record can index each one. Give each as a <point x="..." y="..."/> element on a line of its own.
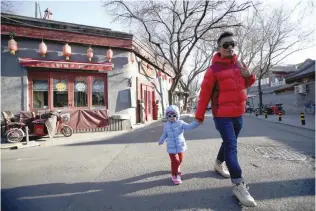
<point x="175" y="109"/>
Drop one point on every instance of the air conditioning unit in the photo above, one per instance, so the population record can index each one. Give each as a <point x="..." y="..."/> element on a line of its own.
<point x="300" y="89"/>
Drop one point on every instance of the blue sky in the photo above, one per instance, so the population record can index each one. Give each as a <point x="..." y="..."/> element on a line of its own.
<point x="91" y="13"/>
<point x="80" y="12"/>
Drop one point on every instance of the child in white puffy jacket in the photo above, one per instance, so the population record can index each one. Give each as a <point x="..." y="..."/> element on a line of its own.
<point x="173" y="134"/>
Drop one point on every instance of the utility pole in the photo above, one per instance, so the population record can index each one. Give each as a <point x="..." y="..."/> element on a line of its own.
<point x="36" y="9"/>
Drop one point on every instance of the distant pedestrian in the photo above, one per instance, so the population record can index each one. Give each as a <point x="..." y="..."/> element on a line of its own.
<point x="173" y="135"/>
<point x="225" y="83"/>
<point x="142" y="111"/>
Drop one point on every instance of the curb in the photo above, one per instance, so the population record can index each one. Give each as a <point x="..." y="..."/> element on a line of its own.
<point x="283" y="123"/>
<point x="11" y="145"/>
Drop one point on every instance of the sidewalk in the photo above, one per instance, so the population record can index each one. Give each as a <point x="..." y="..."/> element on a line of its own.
<point x="81" y="137"/>
<point x="289" y="119"/>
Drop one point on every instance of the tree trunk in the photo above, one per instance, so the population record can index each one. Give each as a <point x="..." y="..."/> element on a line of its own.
<point x="171" y="90"/>
<point x="185" y="102"/>
<point x="170" y="98"/>
<point x="260" y="95"/>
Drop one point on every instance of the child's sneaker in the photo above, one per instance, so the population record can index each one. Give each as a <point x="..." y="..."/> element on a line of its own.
<point x="176" y="180"/>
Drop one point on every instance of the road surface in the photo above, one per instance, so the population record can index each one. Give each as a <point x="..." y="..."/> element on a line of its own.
<point x="131" y="172"/>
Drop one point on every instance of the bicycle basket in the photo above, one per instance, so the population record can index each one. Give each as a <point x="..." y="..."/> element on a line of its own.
<point x="65" y="117"/>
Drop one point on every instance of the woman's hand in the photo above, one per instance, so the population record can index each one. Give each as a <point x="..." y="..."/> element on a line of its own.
<point x="198" y="121"/>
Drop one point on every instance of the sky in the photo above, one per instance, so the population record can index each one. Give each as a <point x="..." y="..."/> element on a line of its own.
<point x="91" y="13"/>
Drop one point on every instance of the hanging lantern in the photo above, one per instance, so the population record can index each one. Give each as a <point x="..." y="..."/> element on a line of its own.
<point x="67" y="51"/>
<point x="109" y="54"/>
<point x="132" y="57"/>
<point x="89" y="53"/>
<point x="159" y="74"/>
<point x="12" y="46"/>
<point x="42" y="48"/>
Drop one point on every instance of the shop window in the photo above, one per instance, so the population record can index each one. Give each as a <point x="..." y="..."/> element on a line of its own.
<point x="60" y="95"/>
<point x="81" y="91"/>
<point x="98" y="91"/>
<point x="40" y="93"/>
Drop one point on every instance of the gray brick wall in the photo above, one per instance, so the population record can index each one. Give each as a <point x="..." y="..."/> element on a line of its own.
<point x="292" y="103"/>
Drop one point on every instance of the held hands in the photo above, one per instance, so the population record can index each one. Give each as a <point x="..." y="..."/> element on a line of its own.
<point x="198" y="121"/>
<point x="243" y="71"/>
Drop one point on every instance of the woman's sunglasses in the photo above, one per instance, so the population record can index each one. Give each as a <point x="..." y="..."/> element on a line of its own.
<point x="227" y="44"/>
<point x="172" y="115"/>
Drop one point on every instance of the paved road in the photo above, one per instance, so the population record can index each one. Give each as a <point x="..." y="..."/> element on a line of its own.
<point x="131" y="172"/>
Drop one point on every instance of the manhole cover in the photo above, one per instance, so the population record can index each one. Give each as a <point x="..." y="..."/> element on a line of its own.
<point x="280" y="153"/>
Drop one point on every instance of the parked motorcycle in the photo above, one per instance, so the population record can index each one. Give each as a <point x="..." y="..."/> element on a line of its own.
<point x="53" y="123"/>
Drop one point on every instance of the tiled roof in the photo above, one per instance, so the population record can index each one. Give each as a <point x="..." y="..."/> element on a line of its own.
<point x="307" y="68"/>
<point x="70" y="27"/>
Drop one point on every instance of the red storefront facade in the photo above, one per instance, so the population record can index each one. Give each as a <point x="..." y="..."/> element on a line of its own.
<point x="85" y="88"/>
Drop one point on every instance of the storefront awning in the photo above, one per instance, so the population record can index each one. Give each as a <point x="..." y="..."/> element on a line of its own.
<point x="27" y="62"/>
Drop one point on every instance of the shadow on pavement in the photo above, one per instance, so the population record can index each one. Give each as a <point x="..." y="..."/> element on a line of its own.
<point x="254" y="128"/>
<point x="123" y="194"/>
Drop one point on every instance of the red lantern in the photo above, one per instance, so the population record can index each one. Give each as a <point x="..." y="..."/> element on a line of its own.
<point x="13" y="46"/>
<point x="42" y="48"/>
<point x="132" y="57"/>
<point x="109" y="54"/>
<point x="159" y="74"/>
<point x="67" y="51"/>
<point x="89" y="53"/>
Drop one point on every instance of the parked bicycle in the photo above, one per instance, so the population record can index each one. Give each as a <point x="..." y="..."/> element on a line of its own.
<point x="310" y="107"/>
<point x="262" y="109"/>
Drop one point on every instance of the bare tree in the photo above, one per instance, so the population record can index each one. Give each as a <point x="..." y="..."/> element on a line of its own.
<point x="202" y="57"/>
<point x="174" y="28"/>
<point x="9" y="6"/>
<point x="273" y="38"/>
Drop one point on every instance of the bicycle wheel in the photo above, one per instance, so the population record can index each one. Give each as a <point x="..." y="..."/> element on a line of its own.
<point x="67" y="131"/>
<point x="257" y="111"/>
<point x="309" y="110"/>
<point x="15" y="135"/>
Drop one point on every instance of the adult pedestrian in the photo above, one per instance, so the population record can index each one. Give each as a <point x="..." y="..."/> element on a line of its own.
<point x="225" y="83"/>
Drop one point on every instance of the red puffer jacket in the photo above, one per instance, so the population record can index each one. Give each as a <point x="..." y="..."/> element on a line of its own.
<point x="224" y="85"/>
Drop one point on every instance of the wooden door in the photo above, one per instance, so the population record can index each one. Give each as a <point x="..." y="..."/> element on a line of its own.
<point x="149" y="98"/>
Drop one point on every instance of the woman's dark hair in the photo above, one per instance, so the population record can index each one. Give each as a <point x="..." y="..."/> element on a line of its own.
<point x="224" y="34"/>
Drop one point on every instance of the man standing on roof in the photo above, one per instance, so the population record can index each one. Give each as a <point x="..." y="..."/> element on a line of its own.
<point x="225" y="83"/>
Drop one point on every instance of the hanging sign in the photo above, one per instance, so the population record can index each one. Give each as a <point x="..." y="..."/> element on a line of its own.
<point x="81" y="87"/>
<point x="60" y="86"/>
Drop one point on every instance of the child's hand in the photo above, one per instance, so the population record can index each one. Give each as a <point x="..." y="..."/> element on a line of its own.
<point x="198" y="121"/>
